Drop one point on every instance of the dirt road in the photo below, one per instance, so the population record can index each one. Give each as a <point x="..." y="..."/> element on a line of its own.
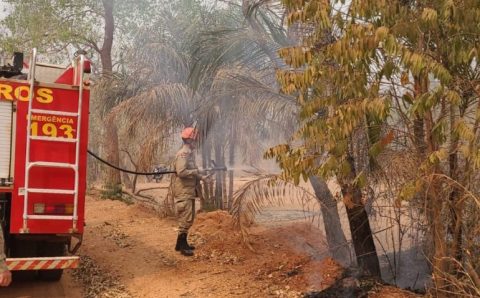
<point x="137" y="248"/>
<point x="67" y="287"/>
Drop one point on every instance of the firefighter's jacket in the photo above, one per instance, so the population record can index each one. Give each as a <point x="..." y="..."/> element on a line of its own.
<point x="3" y="265"/>
<point x="186" y="184"/>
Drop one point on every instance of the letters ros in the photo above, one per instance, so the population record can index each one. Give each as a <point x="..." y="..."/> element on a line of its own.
<point x="21" y="93"/>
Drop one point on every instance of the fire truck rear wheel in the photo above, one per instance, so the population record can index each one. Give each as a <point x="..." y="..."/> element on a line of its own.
<point x="23" y="249"/>
<point x="51" y="249"/>
<point x="50" y="275"/>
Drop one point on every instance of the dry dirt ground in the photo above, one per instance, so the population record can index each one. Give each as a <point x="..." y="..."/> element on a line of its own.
<point x="134" y="247"/>
<point x="67" y="287"/>
<point x="128" y="252"/>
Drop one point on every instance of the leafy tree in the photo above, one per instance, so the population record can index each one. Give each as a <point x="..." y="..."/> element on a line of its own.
<point x="385" y="71"/>
<point x="102" y="28"/>
<point x="59" y="27"/>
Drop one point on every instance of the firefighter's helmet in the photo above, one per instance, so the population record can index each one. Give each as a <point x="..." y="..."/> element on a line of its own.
<point x="189" y="133"/>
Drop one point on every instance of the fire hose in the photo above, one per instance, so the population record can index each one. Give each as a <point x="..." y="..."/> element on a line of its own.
<point x="215" y="168"/>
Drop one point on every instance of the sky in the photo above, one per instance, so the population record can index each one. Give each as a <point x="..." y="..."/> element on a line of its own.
<point x="3" y="9"/>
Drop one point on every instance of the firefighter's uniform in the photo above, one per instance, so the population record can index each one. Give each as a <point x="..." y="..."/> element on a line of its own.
<point x="3" y="265"/>
<point x="186" y="187"/>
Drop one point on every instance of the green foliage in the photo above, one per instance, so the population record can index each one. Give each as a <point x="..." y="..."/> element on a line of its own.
<point x="50" y="25"/>
<point x="392" y="71"/>
<point x="59" y="27"/>
<point x="339" y="83"/>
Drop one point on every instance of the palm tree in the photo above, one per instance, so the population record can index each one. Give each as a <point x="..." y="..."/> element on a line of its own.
<point x="237" y="68"/>
<point x="224" y="77"/>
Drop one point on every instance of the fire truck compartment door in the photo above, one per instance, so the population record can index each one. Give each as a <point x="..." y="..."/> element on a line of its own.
<point x="5" y="139"/>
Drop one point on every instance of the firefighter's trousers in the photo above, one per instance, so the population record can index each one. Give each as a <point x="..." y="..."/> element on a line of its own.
<point x="185" y="210"/>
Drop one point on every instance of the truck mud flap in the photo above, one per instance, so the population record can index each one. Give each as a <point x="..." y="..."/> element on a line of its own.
<point x="43" y="263"/>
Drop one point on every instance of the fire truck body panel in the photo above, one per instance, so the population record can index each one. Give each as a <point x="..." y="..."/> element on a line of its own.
<point x="38" y="238"/>
<point x="59" y="98"/>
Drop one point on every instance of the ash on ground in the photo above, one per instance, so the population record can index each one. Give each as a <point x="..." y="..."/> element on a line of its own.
<point x="98" y="283"/>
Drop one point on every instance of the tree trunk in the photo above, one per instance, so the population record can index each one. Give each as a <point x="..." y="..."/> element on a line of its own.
<point x="337" y="243"/>
<point x="362" y="236"/>
<point x="127" y="181"/>
<point x="113" y="182"/>
<point x="456" y="209"/>
<point x="106" y="51"/>
<point x="134" y="183"/>
<point x="439" y="262"/>
<point x="231" y="164"/>
<point x="420" y="87"/>
<point x="218" y="178"/>
<point x="225" y="190"/>
<point x="205" y="154"/>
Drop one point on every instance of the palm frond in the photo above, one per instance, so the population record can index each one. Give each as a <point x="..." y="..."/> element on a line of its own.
<point x="241" y="96"/>
<point x="266" y="16"/>
<point x="167" y="102"/>
<point x="232" y="46"/>
<point x="110" y="90"/>
<point x="265" y="191"/>
<point x="157" y="62"/>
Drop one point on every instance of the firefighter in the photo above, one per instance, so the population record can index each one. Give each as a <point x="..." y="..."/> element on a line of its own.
<point x="186" y="187"/>
<point x="5" y="275"/>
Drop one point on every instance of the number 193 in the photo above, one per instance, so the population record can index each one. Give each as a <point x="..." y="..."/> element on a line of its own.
<point x="51" y="130"/>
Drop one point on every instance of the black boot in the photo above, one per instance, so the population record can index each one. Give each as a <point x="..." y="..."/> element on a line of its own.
<point x="179" y="240"/>
<point x="177" y="246"/>
<point x="182" y="245"/>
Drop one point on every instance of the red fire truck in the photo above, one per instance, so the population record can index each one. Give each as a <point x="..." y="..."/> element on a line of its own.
<point x="43" y="153"/>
